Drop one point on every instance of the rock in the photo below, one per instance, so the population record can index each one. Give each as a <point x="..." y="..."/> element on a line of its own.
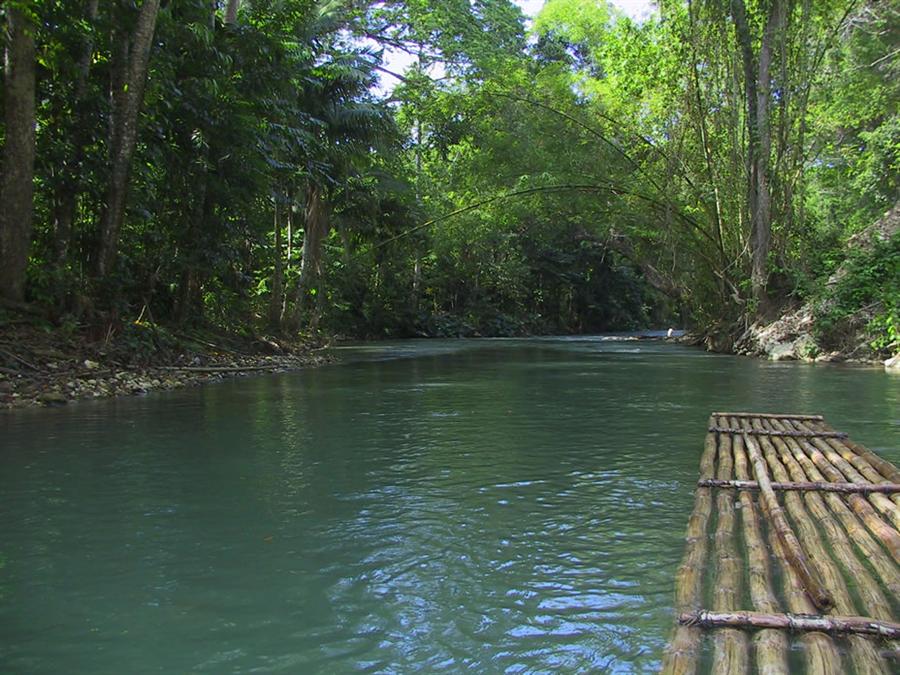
<point x="892" y="365"/>
<point x="805" y="347"/>
<point x="91" y="365"/>
<point x="52" y="398"/>
<point x="782" y="351"/>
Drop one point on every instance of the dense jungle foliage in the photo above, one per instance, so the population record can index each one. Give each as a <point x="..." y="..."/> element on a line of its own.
<point x="259" y="164"/>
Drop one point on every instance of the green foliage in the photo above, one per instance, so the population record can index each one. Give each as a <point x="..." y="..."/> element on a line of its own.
<point x="865" y="295"/>
<point x="626" y="144"/>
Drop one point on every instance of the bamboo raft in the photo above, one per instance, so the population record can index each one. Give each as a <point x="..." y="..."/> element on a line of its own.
<point x="792" y="561"/>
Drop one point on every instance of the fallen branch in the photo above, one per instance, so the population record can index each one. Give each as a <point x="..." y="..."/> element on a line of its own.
<point x="222" y="369"/>
<point x="20" y="360"/>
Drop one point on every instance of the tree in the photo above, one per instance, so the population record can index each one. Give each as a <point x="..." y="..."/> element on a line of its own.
<point x="130" y="59"/>
<point x="17" y="188"/>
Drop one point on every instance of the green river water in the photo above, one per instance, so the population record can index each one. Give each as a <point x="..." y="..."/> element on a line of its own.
<point x="484" y="505"/>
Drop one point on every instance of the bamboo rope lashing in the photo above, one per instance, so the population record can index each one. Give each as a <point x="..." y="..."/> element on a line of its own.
<point x="863" y="655"/>
<point x="873" y="601"/>
<point x="812" y="486"/>
<point x="770" y="416"/>
<point x="730" y="647"/>
<point x="794" y="553"/>
<point x="886" y="569"/>
<point x="763" y="432"/>
<point x="770" y="646"/>
<point x="682" y="653"/>
<point x="843" y="625"/>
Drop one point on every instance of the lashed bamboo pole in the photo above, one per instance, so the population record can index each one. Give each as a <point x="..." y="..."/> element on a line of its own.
<point x="820" y="653"/>
<point x="864" y="465"/>
<point x="879" y="501"/>
<point x="886" y="569"/>
<point x="884" y="467"/>
<point x="682" y="653"/>
<point x="863" y="654"/>
<point x="770" y="416"/>
<point x="873" y="602"/>
<point x="814" y="486"/>
<point x="858" y="625"/>
<point x="820" y="597"/>
<point x="770" y="646"/>
<point x="787" y="432"/>
<point x="730" y="648"/>
<point x="886" y="534"/>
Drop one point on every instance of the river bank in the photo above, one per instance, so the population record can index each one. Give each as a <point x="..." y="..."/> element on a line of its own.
<point x="45" y="366"/>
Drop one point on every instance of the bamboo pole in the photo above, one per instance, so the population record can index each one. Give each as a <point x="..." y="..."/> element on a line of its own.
<point x="873" y="602"/>
<point x="787" y="432"/>
<point x="884" y="567"/>
<point x="794" y="553"/>
<point x="863" y="654"/>
<point x="857" y="625"/>
<point x="815" y="486"/>
<point x="879" y="501"/>
<point x="730" y="648"/>
<point x="819" y="652"/>
<point x="770" y="646"/>
<point x="682" y="653"/>
<point x="865" y="466"/>
<point x="886" y="534"/>
<point x="883" y="466"/>
<point x="770" y="416"/>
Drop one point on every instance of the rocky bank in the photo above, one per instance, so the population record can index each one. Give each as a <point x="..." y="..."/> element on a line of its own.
<point x="40" y="366"/>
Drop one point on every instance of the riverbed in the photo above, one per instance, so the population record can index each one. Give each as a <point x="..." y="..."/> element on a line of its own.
<point x="420" y="506"/>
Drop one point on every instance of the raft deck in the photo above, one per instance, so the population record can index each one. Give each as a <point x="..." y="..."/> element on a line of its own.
<point x="793" y="553"/>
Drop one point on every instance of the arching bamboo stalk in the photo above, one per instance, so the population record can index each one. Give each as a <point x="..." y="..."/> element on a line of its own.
<point x="682" y="653"/>
<point x="730" y="649"/>
<point x="863" y="654"/>
<point x="770" y="646"/>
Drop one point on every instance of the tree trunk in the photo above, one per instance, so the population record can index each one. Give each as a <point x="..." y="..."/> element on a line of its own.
<point x="308" y="285"/>
<point x="66" y="197"/>
<point x="231" y="10"/>
<point x="288" y="264"/>
<point x="757" y="88"/>
<point x="129" y="77"/>
<point x="17" y="188"/>
<point x="276" y="299"/>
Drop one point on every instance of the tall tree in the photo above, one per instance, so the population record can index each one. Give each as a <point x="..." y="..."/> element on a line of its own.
<point x="757" y="68"/>
<point x="130" y="59"/>
<point x="17" y="188"/>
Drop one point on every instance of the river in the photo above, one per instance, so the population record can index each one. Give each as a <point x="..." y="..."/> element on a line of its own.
<point x="425" y="506"/>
